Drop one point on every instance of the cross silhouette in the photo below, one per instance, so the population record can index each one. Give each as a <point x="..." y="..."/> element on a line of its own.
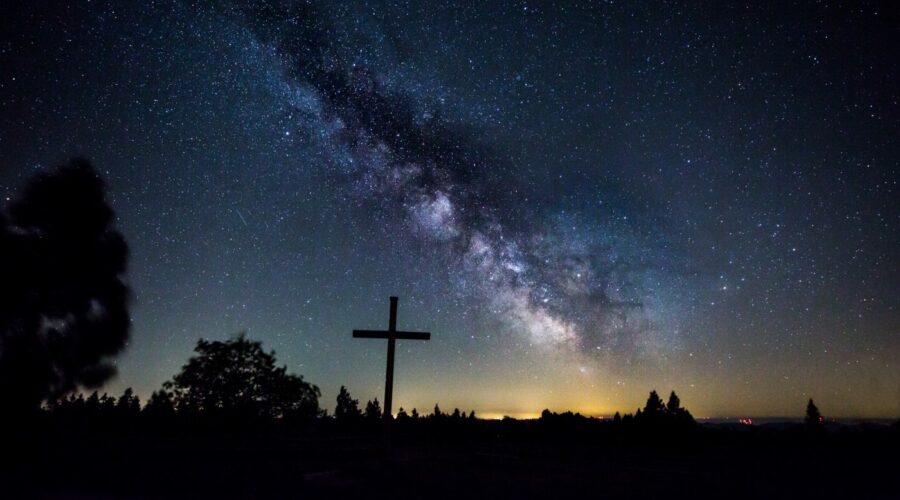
<point x="391" y="334"/>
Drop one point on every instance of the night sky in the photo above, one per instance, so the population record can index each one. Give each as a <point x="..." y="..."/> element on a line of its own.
<point x="581" y="203"/>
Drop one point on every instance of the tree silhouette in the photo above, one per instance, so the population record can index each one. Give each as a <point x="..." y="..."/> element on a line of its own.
<point x="92" y="406"/>
<point x="654" y="405"/>
<point x="292" y="397"/>
<point x="813" y="419"/>
<point x="676" y="413"/>
<point x="654" y="411"/>
<point x="237" y="378"/>
<point x="414" y="414"/>
<point x="347" y="408"/>
<point x="128" y="406"/>
<point x="402" y="415"/>
<point x="63" y="302"/>
<point x="373" y="410"/>
<point x="159" y="407"/>
<point x="674" y="404"/>
<point x="75" y="404"/>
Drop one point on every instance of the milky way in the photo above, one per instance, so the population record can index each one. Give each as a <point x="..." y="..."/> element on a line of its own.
<point x="556" y="290"/>
<point x="581" y="202"/>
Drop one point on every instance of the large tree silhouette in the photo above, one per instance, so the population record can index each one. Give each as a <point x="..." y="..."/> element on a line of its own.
<point x="63" y="301"/>
<point x="237" y="378"/>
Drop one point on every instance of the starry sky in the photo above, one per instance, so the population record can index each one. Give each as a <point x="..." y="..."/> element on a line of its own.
<point x="581" y="202"/>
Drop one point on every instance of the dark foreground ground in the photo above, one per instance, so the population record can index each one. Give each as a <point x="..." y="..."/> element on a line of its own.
<point x="498" y="460"/>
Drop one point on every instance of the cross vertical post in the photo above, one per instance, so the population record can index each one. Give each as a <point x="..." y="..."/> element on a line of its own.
<point x="392" y="343"/>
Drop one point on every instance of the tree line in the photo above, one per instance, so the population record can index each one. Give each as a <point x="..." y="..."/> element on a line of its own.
<point x="237" y="380"/>
<point x="232" y="380"/>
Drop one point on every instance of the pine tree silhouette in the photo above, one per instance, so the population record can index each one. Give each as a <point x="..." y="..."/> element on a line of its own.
<point x="813" y="419"/>
<point x="654" y="405"/>
<point x="373" y="410"/>
<point x="673" y="407"/>
<point x="347" y="408"/>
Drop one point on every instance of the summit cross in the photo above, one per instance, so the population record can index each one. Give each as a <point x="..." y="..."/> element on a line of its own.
<point x="392" y="335"/>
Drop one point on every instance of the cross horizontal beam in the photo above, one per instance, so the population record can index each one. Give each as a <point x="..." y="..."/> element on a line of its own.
<point x="387" y="334"/>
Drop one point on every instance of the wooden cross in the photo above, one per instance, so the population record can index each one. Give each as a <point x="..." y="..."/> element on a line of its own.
<point x="391" y="334"/>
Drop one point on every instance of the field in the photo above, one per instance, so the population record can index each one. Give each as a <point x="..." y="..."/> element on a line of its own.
<point x="483" y="459"/>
